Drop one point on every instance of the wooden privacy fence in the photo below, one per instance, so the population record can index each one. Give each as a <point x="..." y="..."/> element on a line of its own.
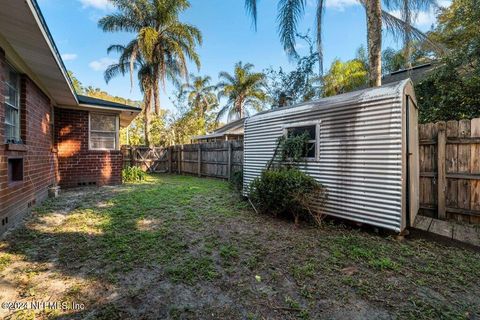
<point x="450" y="170"/>
<point x="213" y="159"/>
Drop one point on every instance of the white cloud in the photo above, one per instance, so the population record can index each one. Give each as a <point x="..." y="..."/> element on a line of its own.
<point x="69" y="56"/>
<point x="444" y="3"/>
<point x="422" y="19"/>
<point x="300" y="46"/>
<point x="425" y="18"/>
<point x="101" y="64"/>
<point x="340" y="4"/>
<point x="97" y="4"/>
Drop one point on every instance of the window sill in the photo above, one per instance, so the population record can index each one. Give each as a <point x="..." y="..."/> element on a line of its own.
<point x="16" y="147"/>
<point x="104" y="150"/>
<point x="15" y="184"/>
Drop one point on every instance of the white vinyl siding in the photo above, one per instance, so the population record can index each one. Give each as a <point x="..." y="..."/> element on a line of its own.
<point x="103" y="133"/>
<point x="12" y="106"/>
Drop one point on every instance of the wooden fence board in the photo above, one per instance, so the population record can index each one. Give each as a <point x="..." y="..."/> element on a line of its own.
<point x="461" y="166"/>
<point x="208" y="159"/>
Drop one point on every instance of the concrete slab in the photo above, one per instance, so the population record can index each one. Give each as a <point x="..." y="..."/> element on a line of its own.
<point x="467" y="234"/>
<point x="440" y="227"/>
<point x="422" y="222"/>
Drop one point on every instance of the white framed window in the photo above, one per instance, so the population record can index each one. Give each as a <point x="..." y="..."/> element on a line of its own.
<point x="12" y="106"/>
<point x="103" y="131"/>
<point x="312" y="129"/>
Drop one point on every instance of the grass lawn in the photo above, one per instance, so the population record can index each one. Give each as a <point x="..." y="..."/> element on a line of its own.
<point x="186" y="248"/>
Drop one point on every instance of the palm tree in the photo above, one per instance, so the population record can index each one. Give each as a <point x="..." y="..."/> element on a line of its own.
<point x="162" y="40"/>
<point x="344" y="77"/>
<point x="201" y="95"/>
<point x="374" y="41"/>
<point x="146" y="79"/>
<point x="409" y="10"/>
<point x="243" y="90"/>
<point x="291" y="11"/>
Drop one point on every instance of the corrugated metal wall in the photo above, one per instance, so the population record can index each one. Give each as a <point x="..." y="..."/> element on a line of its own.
<point x="360" y="152"/>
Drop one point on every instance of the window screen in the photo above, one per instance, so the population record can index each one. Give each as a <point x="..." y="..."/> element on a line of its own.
<point x="12" y="106"/>
<point x="311" y="131"/>
<point x="103" y="131"/>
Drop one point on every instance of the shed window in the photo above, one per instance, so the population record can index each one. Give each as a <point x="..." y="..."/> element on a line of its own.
<point x="103" y="131"/>
<point x="12" y="106"/>
<point x="311" y="130"/>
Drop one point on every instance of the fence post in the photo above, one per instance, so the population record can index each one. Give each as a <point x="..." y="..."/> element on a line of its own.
<point x="441" y="179"/>
<point x="169" y="154"/>
<point x="229" y="169"/>
<point x="133" y="156"/>
<point x="180" y="159"/>
<point x="199" y="160"/>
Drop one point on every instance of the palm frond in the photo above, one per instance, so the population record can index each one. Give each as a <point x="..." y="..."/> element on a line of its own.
<point x="289" y="14"/>
<point x="251" y="8"/>
<point x="397" y="27"/>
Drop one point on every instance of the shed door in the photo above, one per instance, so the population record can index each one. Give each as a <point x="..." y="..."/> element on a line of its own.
<point x="413" y="160"/>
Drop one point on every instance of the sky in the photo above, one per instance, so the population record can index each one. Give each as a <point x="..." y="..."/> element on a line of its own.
<point x="228" y="37"/>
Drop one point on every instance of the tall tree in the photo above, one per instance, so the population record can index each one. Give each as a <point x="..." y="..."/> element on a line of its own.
<point x="451" y="90"/>
<point x="344" y="77"/>
<point x="374" y="41"/>
<point x="291" y="11"/>
<point x="162" y="40"/>
<point x="146" y="80"/>
<point x="243" y="90"/>
<point x="201" y="94"/>
<point x="77" y="85"/>
<point x="409" y="10"/>
<point x="299" y="85"/>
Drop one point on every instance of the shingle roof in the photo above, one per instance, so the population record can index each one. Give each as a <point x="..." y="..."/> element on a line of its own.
<point x="104" y="103"/>
<point x="234" y="125"/>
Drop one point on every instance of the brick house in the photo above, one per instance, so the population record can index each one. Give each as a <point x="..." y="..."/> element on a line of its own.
<point x="49" y="135"/>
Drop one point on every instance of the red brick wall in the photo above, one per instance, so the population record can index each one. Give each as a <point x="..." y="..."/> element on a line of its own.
<point x="39" y="161"/>
<point x="77" y="164"/>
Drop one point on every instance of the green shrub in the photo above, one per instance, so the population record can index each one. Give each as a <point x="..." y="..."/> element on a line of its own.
<point x="133" y="174"/>
<point x="236" y="181"/>
<point x="288" y="192"/>
<point x="293" y="148"/>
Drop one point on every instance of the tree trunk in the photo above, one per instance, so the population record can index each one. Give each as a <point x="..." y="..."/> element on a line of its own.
<point x="147" y="115"/>
<point x="407" y="38"/>
<point x="156" y="97"/>
<point x="374" y="32"/>
<point x="240" y="107"/>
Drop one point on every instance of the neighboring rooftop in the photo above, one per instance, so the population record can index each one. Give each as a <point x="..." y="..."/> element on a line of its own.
<point x="234" y="128"/>
<point x="415" y="73"/>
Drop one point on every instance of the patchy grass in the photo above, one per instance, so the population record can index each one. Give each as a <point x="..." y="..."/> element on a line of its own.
<point x="187" y="248"/>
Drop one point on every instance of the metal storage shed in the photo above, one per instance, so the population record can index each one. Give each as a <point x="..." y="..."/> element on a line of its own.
<point x="366" y="151"/>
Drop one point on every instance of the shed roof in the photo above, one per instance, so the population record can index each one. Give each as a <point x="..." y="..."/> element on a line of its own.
<point x="360" y="96"/>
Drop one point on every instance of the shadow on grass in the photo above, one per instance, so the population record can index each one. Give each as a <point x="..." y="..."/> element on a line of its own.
<point x="117" y="236"/>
